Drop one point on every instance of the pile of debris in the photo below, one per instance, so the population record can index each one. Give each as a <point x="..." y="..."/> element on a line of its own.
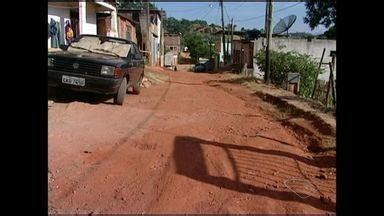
<point x="145" y="83"/>
<point x="50" y="103"/>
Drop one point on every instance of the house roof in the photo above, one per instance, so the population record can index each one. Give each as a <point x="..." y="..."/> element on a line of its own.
<point x="162" y="13"/>
<point x="172" y="40"/>
<point x="229" y="32"/>
<point x="75" y="4"/>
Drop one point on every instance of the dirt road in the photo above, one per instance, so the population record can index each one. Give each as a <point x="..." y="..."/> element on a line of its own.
<point x="184" y="146"/>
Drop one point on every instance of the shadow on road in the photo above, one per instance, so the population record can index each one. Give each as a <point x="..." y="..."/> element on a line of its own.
<point x="191" y="162"/>
<point x="68" y="96"/>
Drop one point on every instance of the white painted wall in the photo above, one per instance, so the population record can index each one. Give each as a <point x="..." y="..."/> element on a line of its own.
<point x="90" y="22"/>
<point x="59" y="15"/>
<point x="313" y="48"/>
<point x="158" y="39"/>
<point x="222" y="49"/>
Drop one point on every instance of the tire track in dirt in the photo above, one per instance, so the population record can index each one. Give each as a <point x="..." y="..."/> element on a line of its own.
<point x="94" y="167"/>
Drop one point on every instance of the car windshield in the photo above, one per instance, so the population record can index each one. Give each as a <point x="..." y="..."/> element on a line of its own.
<point x="96" y="45"/>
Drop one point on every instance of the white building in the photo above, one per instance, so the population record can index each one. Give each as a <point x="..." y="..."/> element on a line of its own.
<point x="82" y="15"/>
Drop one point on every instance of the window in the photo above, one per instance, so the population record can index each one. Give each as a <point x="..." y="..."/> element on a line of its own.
<point x="135" y="52"/>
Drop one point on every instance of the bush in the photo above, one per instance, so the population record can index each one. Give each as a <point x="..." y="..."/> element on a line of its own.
<point x="283" y="63"/>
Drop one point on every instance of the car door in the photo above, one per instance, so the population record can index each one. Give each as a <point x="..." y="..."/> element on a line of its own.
<point x="136" y="64"/>
<point x="139" y="58"/>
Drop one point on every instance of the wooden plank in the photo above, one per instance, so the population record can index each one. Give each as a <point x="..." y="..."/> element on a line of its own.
<point x="317" y="73"/>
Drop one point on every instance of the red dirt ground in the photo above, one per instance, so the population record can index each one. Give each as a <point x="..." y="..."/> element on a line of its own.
<point x="184" y="146"/>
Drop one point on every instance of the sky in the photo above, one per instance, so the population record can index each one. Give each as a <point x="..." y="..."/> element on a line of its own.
<point x="245" y="14"/>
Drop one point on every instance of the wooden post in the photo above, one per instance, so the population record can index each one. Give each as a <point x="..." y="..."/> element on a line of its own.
<point x="222" y="24"/>
<point x="232" y="40"/>
<point x="267" y="54"/>
<point x="332" y="67"/>
<point x="317" y="74"/>
<point x="329" y="84"/>
<point x="149" y="38"/>
<point x="266" y="19"/>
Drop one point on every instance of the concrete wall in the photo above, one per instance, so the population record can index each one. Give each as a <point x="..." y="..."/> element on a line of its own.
<point x="59" y="15"/>
<point x="90" y="23"/>
<point x="222" y="49"/>
<point x="123" y="25"/>
<point x="158" y="41"/>
<point x="314" y="48"/>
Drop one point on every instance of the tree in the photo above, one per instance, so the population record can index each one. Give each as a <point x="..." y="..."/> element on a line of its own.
<point x="321" y="13"/>
<point x="135" y="5"/>
<point x="172" y="25"/>
<point x="331" y="33"/>
<point x="198" y="44"/>
<point x="175" y="26"/>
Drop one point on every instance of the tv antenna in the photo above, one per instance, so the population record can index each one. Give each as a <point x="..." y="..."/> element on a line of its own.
<point x="284" y="24"/>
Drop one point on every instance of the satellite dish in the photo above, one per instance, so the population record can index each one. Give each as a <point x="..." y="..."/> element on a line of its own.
<point x="284" y="24"/>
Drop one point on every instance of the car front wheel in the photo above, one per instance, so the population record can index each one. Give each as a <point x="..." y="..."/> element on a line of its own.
<point x="119" y="97"/>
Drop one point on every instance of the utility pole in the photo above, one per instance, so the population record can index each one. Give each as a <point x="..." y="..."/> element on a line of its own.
<point x="227" y="43"/>
<point x="232" y="46"/>
<point x="148" y="37"/>
<point x="222" y="25"/>
<point x="266" y="19"/>
<point x="269" y="36"/>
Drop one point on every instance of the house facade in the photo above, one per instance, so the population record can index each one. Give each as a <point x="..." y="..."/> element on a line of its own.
<point x="127" y="28"/>
<point x="148" y="32"/>
<point x="82" y="16"/>
<point x="172" y="43"/>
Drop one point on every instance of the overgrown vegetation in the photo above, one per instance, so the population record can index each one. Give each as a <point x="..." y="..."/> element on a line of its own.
<point x="175" y="26"/>
<point x="198" y="45"/>
<point x="283" y="63"/>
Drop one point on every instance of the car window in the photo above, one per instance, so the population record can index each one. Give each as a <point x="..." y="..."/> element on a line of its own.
<point x="137" y="53"/>
<point x="132" y="52"/>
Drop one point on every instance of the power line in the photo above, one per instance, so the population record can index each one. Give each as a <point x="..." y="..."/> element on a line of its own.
<point x="210" y="9"/>
<point x="226" y="13"/>
<point x="239" y="6"/>
<point x="218" y="16"/>
<point x="203" y="14"/>
<point x="257" y="17"/>
<point x="214" y="16"/>
<point x="187" y="10"/>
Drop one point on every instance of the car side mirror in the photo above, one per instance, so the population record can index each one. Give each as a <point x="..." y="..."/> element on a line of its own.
<point x="63" y="47"/>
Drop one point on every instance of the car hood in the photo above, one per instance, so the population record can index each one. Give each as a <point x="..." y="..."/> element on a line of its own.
<point x="88" y="56"/>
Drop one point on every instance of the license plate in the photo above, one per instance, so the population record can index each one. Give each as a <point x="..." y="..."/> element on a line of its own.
<point x="73" y="80"/>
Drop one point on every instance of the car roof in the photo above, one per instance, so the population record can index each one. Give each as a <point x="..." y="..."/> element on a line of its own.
<point x="108" y="37"/>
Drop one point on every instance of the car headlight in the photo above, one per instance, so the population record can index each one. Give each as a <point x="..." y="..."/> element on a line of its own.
<point x="107" y="70"/>
<point x="50" y="62"/>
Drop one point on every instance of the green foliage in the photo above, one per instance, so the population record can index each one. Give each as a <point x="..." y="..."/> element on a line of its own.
<point x="198" y="44"/>
<point x="135" y="5"/>
<point x="331" y="33"/>
<point x="284" y="62"/>
<point x="322" y="13"/>
<point x="175" y="26"/>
